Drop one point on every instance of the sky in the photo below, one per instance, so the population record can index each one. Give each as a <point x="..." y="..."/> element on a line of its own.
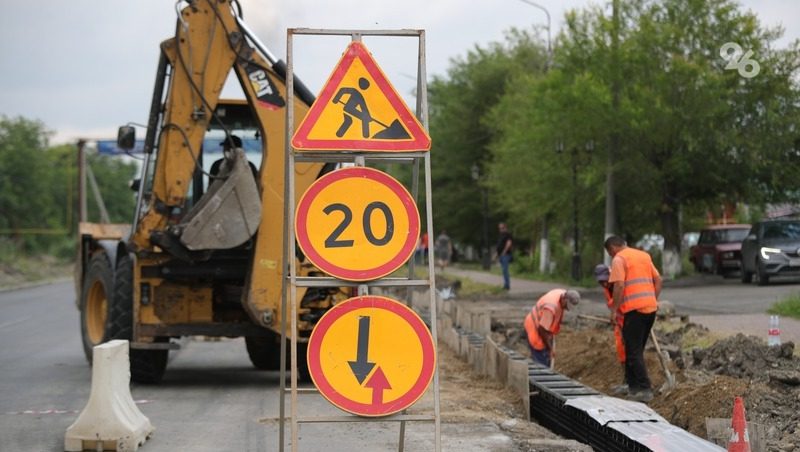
<point x="84" y="67"/>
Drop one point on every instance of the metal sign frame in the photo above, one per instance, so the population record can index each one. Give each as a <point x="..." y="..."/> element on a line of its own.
<point x="289" y="301"/>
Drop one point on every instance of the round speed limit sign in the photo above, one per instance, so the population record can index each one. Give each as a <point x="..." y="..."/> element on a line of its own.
<point x="357" y="224"/>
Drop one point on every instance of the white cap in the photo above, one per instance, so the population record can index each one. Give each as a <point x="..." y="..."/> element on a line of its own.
<point x="572" y="297"/>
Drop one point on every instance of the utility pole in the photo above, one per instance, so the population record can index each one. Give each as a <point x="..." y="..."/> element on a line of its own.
<point x="544" y="243"/>
<point x="611" y="208"/>
<point x="82" y="209"/>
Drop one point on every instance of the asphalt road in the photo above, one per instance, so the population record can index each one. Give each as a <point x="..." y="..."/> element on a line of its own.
<point x="211" y="398"/>
<point x="693" y="295"/>
<point x="708" y="294"/>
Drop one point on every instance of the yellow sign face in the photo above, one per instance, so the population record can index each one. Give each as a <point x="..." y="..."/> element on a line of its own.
<point x="358" y="109"/>
<point x="371" y="356"/>
<point x="357" y="224"/>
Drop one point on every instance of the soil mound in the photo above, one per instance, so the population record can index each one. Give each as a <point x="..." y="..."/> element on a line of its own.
<point x="749" y="357"/>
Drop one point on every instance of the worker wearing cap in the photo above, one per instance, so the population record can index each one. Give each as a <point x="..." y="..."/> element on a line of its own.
<point x="637" y="285"/>
<point x="601" y="274"/>
<point x="230" y="143"/>
<point x="544" y="322"/>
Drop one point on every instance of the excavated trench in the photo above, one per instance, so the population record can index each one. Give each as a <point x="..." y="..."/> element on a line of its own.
<point x="708" y="378"/>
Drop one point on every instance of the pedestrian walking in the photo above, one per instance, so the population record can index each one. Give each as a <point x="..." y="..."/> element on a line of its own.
<point x="601" y="274"/>
<point x="637" y="286"/>
<point x="443" y="249"/>
<point x="504" y="253"/>
<point x="543" y="323"/>
<point x="424" y="241"/>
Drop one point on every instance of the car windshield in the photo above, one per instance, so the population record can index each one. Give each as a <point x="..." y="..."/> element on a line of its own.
<point x="712" y="236"/>
<point x="787" y="230"/>
<point x="732" y="235"/>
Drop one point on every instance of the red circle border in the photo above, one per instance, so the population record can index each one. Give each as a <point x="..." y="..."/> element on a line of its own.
<point x="363" y="409"/>
<point x="347" y="274"/>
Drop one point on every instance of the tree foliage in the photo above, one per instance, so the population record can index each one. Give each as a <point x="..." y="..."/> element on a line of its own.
<point x="651" y="92"/>
<point x="462" y="136"/>
<point x="38" y="187"/>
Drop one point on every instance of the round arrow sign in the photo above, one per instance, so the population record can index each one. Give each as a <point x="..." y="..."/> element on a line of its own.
<point x="357" y="224"/>
<point x="371" y="356"/>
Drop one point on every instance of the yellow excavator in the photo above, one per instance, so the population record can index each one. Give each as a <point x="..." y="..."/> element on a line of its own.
<point x="204" y="255"/>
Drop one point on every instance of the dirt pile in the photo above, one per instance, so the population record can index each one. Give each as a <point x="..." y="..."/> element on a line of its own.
<point x="768" y="378"/>
<point x="747" y="357"/>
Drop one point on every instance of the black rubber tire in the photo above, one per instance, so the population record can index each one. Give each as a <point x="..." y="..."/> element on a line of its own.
<point x="147" y="366"/>
<point x="746" y="276"/>
<point x="265" y="354"/>
<point x="763" y="277"/>
<point x="99" y="276"/>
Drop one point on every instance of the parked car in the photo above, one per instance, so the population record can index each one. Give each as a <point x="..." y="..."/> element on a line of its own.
<point x="771" y="248"/>
<point x="718" y="249"/>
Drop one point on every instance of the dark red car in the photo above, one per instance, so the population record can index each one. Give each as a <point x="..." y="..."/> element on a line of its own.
<point x="718" y="250"/>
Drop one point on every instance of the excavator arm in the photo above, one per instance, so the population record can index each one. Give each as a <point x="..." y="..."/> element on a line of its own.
<point x="210" y="40"/>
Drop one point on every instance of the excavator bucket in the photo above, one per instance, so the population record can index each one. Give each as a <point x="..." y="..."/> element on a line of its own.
<point x="228" y="214"/>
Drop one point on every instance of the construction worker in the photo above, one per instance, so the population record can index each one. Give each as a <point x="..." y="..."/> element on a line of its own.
<point x="637" y="285"/>
<point x="544" y="322"/>
<point x="601" y="274"/>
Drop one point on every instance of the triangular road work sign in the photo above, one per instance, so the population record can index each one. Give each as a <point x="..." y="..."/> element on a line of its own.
<point x="359" y="110"/>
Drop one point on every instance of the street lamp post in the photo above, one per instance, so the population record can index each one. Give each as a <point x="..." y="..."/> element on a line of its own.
<point x="485" y="253"/>
<point x="576" y="254"/>
<point x="547" y="13"/>
<point x="577" y="271"/>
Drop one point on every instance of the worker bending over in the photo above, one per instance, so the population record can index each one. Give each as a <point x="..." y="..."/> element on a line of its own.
<point x="637" y="286"/>
<point x="544" y="322"/>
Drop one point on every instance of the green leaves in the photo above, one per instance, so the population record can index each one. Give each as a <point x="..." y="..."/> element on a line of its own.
<point x="38" y="187"/>
<point x="685" y="132"/>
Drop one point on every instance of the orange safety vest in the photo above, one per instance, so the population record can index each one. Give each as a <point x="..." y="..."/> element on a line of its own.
<point x="639" y="291"/>
<point x="551" y="301"/>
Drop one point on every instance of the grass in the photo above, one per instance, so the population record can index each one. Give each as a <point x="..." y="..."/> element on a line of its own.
<point x="470" y="288"/>
<point x="789" y="307"/>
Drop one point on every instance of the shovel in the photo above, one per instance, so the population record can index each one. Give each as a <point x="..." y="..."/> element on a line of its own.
<point x="670" y="383"/>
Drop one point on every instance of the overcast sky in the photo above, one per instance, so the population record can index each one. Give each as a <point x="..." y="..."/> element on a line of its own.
<point x="84" y="67"/>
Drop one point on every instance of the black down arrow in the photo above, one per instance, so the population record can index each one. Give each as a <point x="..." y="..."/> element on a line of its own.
<point x="360" y="366"/>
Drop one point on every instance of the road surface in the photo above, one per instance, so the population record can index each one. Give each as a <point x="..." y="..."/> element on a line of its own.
<point x="211" y="398"/>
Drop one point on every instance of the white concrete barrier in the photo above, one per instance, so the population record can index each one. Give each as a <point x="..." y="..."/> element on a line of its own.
<point x="110" y="416"/>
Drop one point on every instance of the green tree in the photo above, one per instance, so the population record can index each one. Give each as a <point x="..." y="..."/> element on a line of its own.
<point x="38" y="188"/>
<point x="689" y="132"/>
<point x="24" y="176"/>
<point x="459" y="104"/>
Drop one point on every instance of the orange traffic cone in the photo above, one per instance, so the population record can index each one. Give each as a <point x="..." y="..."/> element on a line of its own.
<point x="740" y="439"/>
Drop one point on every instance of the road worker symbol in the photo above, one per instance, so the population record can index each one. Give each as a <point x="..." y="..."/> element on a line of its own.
<point x="371" y="356"/>
<point x="358" y="109"/>
<point x="357" y="224"/>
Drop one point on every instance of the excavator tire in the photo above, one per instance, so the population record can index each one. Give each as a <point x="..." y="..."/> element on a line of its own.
<point x="95" y="302"/>
<point x="147" y="366"/>
<point x="265" y="354"/>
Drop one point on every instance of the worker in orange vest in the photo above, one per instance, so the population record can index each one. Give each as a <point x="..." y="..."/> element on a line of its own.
<point x="601" y="274"/>
<point x="637" y="285"/>
<point x="544" y="322"/>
